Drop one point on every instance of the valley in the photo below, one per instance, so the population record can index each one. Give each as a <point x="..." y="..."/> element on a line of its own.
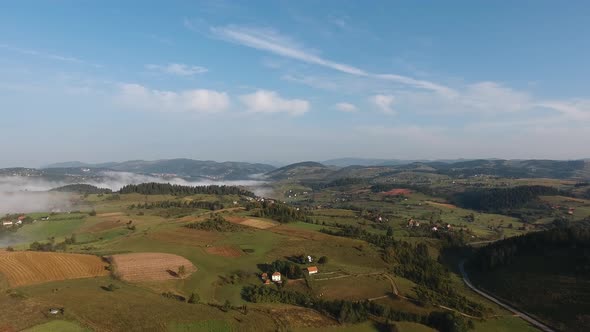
<point x="363" y="248"/>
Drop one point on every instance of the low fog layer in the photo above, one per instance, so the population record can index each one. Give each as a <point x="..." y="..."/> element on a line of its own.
<point x="25" y="202"/>
<point x="29" y="193"/>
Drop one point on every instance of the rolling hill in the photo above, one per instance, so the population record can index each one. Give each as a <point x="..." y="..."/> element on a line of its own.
<point x="300" y="171"/>
<point x="186" y="168"/>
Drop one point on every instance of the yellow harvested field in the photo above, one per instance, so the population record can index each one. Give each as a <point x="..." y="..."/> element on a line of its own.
<point x="251" y="222"/>
<point x="111" y="214"/>
<point x="31" y="267"/>
<point x="149" y="266"/>
<point x="446" y="205"/>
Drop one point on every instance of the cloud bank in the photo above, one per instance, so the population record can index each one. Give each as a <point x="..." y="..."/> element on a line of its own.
<point x="24" y="194"/>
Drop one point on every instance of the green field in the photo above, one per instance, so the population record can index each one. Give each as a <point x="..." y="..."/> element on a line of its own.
<point x="226" y="262"/>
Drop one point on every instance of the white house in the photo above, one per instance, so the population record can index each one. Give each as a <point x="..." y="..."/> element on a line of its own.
<point x="276" y="277"/>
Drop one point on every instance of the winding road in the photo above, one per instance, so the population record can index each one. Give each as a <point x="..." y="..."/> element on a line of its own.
<point x="521" y="314"/>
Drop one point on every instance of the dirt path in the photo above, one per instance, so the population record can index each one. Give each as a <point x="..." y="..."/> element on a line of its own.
<point x="519" y="313"/>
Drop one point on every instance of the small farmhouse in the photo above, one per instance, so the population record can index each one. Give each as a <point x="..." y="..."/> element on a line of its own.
<point x="312" y="270"/>
<point x="264" y="276"/>
<point x="276" y="277"/>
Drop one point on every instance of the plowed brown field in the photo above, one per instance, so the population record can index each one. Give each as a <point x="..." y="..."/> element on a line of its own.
<point x="149" y="266"/>
<point x="225" y="251"/>
<point x="31" y="267"/>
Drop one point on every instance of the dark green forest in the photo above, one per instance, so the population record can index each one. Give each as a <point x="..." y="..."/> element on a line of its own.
<point x="154" y="188"/>
<point x="178" y="204"/>
<point x="498" y="199"/>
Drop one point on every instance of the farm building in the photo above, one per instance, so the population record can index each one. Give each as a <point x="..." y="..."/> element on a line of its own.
<point x="264" y="276"/>
<point x="276" y="277"/>
<point x="312" y="270"/>
<point x="21" y="218"/>
<point x="7" y="223"/>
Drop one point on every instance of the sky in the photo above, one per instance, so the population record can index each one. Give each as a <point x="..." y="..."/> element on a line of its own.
<point x="286" y="81"/>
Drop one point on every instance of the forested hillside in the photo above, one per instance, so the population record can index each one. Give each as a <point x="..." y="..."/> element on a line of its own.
<point x="178" y="190"/>
<point x="498" y="199"/>
<point x="545" y="273"/>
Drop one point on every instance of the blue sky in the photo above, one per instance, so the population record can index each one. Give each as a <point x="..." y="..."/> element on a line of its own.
<point x="293" y="80"/>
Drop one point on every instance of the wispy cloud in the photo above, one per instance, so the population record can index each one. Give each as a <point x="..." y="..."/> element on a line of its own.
<point x="198" y="101"/>
<point x="265" y="101"/>
<point x="346" y="107"/>
<point x="179" y="69"/>
<point x="45" y="55"/>
<point x="270" y="40"/>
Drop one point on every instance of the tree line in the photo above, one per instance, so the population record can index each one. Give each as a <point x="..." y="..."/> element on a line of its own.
<point x="154" y="188"/>
<point x="179" y="204"/>
<point x="351" y="312"/>
<point x="497" y="199"/>
<point x="280" y="212"/>
<point x="574" y="239"/>
<point x="81" y="188"/>
<point x="317" y="186"/>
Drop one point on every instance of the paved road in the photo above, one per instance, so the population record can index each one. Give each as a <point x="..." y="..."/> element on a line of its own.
<point x="521" y="314"/>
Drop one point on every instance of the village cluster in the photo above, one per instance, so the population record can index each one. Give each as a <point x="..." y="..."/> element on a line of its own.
<point x="17" y="221"/>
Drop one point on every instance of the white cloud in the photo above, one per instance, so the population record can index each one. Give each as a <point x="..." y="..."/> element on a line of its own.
<point x="198" y="101"/>
<point x="578" y="109"/>
<point x="383" y="102"/>
<point x="346" y="107"/>
<point x="265" y="101"/>
<point x="271" y="41"/>
<point x="178" y="69"/>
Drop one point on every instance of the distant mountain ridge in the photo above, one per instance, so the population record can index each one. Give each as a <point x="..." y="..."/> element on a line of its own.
<point x="187" y="168"/>
<point x="535" y="168"/>
<point x="300" y="170"/>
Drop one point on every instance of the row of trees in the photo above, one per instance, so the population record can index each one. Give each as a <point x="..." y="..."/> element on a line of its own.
<point x="154" y="188"/>
<point x="80" y="188"/>
<point x="51" y="245"/>
<point x="354" y="312"/>
<point x="317" y="186"/>
<point x="179" y="204"/>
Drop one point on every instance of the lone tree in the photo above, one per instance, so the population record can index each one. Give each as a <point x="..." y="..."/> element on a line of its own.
<point x="181" y="271"/>
<point x="389" y="231"/>
<point x="194" y="298"/>
<point x="226" y="306"/>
